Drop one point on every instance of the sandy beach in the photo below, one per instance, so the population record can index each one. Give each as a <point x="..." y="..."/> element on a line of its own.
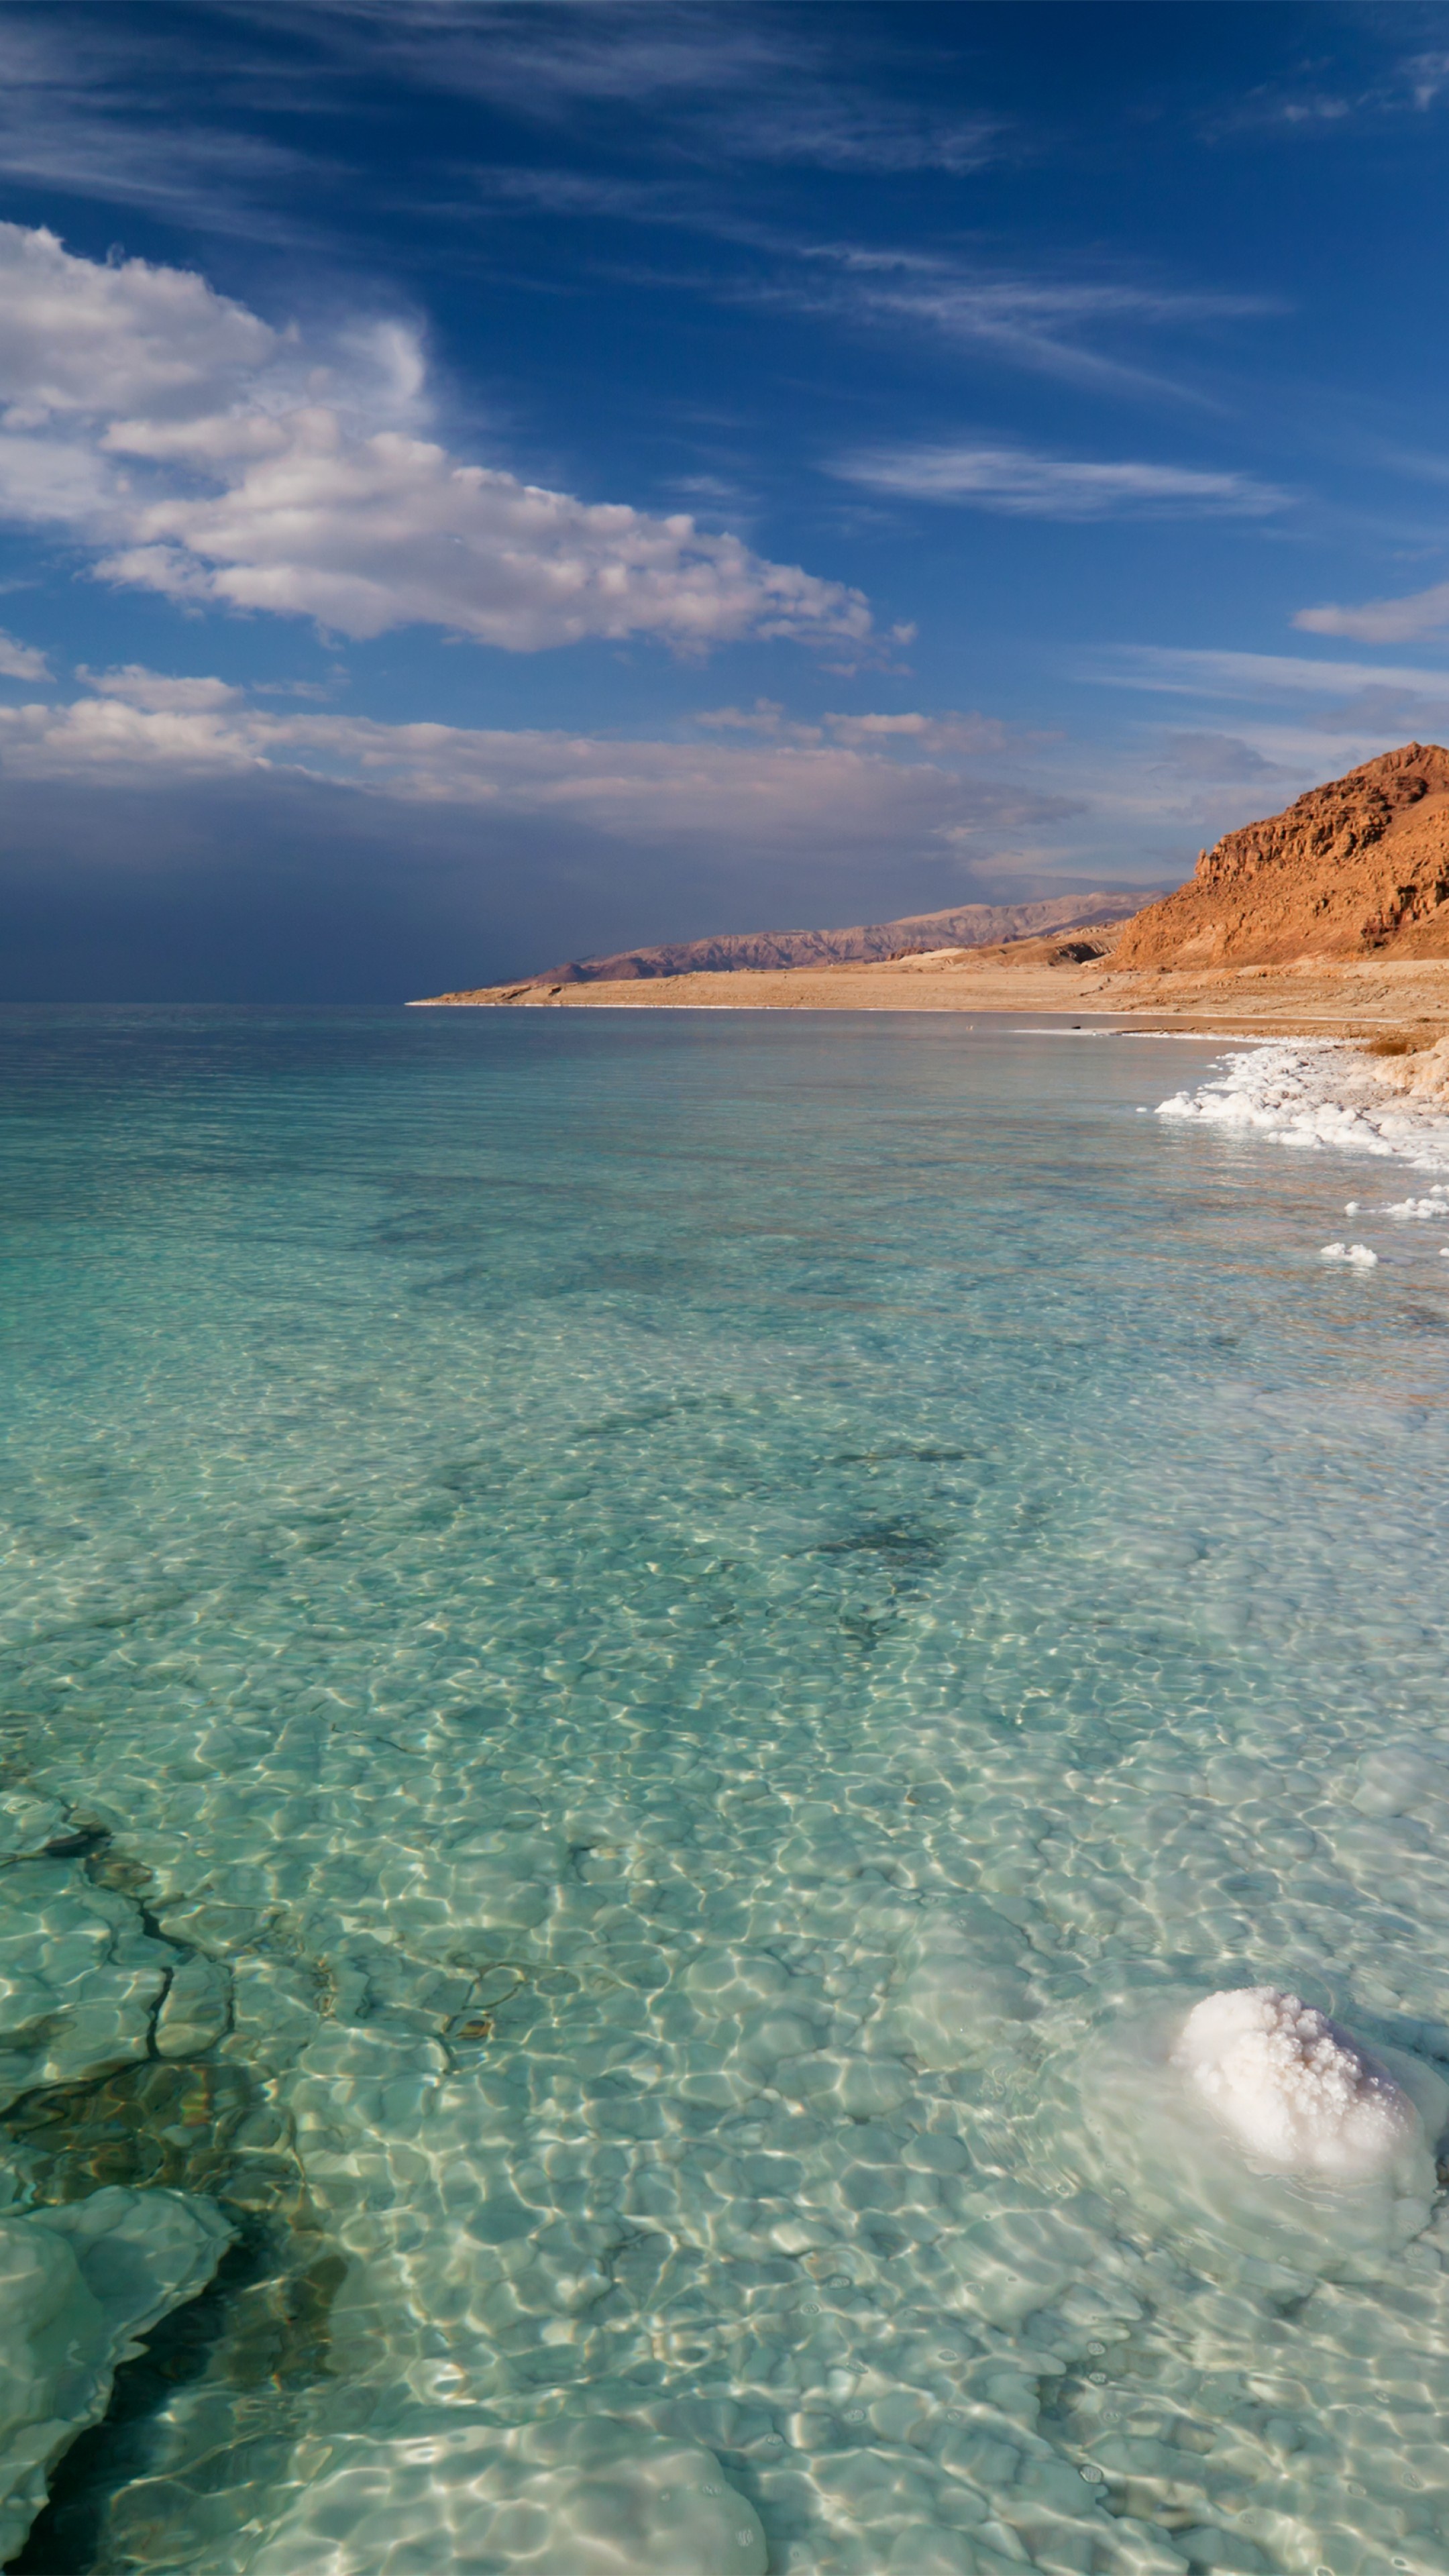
<point x="1312" y="997"/>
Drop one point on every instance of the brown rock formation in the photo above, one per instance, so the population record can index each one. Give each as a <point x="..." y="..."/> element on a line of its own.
<point x="1352" y="869"/>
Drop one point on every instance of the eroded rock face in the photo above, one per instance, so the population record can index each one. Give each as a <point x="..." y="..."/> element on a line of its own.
<point x="1356" y="868"/>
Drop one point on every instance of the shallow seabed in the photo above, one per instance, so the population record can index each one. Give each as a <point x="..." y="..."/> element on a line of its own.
<point x="659" y="1647"/>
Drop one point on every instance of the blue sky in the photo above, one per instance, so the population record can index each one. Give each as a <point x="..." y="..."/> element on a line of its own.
<point x="485" y="484"/>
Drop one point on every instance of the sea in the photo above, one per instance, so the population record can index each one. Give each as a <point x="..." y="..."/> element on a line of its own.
<point x="648" y="1658"/>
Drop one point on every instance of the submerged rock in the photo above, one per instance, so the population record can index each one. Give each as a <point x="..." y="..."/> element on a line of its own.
<point x="80" y="1977"/>
<point x="79" y="2285"/>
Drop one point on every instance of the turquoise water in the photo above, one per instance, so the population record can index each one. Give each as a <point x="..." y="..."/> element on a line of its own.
<point x="653" y="1646"/>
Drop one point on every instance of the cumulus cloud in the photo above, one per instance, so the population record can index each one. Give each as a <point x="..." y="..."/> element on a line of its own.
<point x="1030" y="485"/>
<point x="814" y="789"/>
<point x="77" y="335"/>
<point x="210" y="457"/>
<point x="1382" y="621"/>
<point x="21" y="661"/>
<point x="159" y="694"/>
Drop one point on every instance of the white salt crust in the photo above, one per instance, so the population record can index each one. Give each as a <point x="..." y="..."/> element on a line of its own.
<point x="1357" y="1255"/>
<point x="1313" y="1094"/>
<point x="1292" y="2087"/>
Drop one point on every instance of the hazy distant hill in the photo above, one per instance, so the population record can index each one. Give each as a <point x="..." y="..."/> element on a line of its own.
<point x="965" y="925"/>
<point x="1360" y="866"/>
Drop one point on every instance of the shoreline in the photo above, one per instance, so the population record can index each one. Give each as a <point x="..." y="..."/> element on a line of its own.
<point x="1362" y="998"/>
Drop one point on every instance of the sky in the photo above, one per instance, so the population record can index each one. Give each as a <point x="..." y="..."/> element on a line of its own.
<point x="486" y="484"/>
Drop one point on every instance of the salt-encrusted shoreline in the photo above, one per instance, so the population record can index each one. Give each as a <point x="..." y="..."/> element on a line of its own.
<point x="1315" y="1093"/>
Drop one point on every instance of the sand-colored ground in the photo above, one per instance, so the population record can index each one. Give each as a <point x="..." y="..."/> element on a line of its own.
<point x="1313" y="997"/>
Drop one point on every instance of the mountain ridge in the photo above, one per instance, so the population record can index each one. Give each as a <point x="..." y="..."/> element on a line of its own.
<point x="969" y="925"/>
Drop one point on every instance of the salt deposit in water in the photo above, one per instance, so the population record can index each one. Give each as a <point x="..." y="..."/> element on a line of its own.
<point x="1292" y="2086"/>
<point x="1357" y="1255"/>
<point x="1315" y="1093"/>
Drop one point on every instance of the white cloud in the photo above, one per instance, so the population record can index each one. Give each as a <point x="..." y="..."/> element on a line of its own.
<point x="948" y="733"/>
<point x="21" y="661"/>
<point x="1304" y="721"/>
<point x="104" y="118"/>
<point x="138" y="727"/>
<point x="219" y="461"/>
<point x="158" y="694"/>
<point x="1037" y="322"/>
<point x="79" y="336"/>
<point x="1383" y="621"/>
<point x="857" y="132"/>
<point x="1026" y="484"/>
<point x="727" y="83"/>
<point x="1189" y="672"/>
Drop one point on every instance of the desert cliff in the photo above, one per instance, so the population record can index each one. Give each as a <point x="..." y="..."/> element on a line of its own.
<point x="1358" y="868"/>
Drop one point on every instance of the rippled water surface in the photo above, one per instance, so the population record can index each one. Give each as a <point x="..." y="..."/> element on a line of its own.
<point x="644" y="1656"/>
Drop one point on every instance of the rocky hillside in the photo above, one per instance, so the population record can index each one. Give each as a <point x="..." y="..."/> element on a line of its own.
<point x="1352" y="869"/>
<point x="968" y="925"/>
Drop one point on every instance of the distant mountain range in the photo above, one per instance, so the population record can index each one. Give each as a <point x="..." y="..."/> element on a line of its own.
<point x="965" y="925"/>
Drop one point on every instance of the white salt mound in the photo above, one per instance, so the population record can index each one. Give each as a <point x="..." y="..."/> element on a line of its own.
<point x="1292" y="2086"/>
<point x="1358" y="1253"/>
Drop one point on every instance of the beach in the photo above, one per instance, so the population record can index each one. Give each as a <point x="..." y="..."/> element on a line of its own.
<point x="1362" y="998"/>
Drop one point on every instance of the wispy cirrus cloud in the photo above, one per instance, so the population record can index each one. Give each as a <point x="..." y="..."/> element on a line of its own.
<point x="1382" y="621"/>
<point x="1284" y="708"/>
<point x="21" y="661"/>
<point x="1323" y="100"/>
<point x="723" y="85"/>
<point x="1026" y="483"/>
<point x="1188" y="671"/>
<point x="859" y="133"/>
<point x="1049" y="324"/>
<point x="951" y="734"/>
<point x="101" y="119"/>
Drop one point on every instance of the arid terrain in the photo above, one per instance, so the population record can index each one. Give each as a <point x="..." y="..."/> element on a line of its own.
<point x="1327" y="1000"/>
<point x="1359" y="868"/>
<point x="966" y="925"/>
<point x="1331" y="918"/>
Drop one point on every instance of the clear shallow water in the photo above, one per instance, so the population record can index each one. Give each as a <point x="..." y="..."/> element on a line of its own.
<point x="665" y="1643"/>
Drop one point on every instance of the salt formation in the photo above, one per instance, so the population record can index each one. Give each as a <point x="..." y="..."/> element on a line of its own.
<point x="1293" y="2087"/>
<point x="1314" y="1093"/>
<point x="79" y="2284"/>
<point x="1358" y="1254"/>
